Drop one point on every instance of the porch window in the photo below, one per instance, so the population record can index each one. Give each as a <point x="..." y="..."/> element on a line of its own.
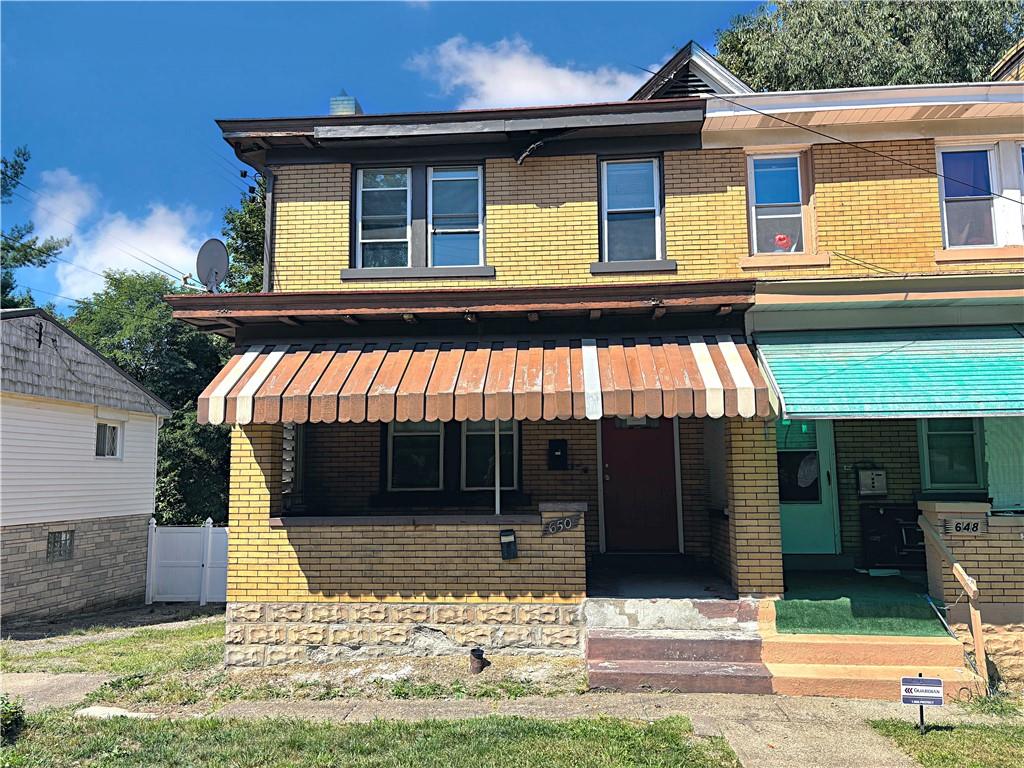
<point x="799" y="467"/>
<point x="967" y="197"/>
<point x="951" y="454"/>
<point x="108" y="440"/>
<point x="776" y="204"/>
<point x="454" y="204"/>
<point x="631" y="210"/>
<point x="383" y="217"/>
<point x="416" y="456"/>
<point x="478" y="455"/>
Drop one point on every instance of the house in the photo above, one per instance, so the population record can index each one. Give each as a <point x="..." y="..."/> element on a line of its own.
<point x="555" y="379"/>
<point x="78" y="446"/>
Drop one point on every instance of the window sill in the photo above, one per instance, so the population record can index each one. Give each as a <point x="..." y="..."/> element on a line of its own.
<point x="770" y="260"/>
<point x="621" y="267"/>
<point x="417" y="273"/>
<point x="994" y="253"/>
<point x="399" y="499"/>
<point x="411" y="520"/>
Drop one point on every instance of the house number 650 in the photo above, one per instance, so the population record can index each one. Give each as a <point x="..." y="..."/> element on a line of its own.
<point x="560" y="524"/>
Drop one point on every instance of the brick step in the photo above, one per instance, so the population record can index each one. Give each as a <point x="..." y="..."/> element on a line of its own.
<point x="869" y="650"/>
<point x="679" y="676"/>
<point x="859" y="681"/>
<point x="671" y="646"/>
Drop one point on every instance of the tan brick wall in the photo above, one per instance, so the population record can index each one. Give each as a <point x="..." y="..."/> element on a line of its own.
<point x="542" y="219"/>
<point x="696" y="525"/>
<point x="108" y="566"/>
<point x="380" y="563"/>
<point x="889" y="444"/>
<point x="755" y="536"/>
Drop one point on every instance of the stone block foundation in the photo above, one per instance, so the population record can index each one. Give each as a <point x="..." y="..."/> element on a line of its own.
<point x="261" y="634"/>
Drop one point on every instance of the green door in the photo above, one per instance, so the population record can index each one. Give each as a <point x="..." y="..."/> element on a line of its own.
<point x="807" y="497"/>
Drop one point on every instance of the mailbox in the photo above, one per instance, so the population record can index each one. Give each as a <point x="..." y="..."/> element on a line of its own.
<point x="509" y="551"/>
<point x="558" y="454"/>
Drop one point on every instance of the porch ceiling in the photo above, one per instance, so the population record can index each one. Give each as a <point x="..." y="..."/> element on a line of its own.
<point x="468" y="380"/>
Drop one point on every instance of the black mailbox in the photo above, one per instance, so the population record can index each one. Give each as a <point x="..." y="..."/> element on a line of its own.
<point x="558" y="454"/>
<point x="507" y="537"/>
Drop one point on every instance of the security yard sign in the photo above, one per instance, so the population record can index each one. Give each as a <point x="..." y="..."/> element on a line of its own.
<point x="922" y="692"/>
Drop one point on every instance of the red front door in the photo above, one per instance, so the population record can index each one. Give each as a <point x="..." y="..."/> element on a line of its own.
<point x="639" y="486"/>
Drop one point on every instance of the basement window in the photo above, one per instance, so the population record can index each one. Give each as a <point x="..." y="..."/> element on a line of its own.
<point x="60" y="545"/>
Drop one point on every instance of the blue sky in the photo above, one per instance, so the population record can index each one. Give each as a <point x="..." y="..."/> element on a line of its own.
<point x="116" y="101"/>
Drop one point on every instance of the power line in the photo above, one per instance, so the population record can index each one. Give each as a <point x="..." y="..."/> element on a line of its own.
<point x="836" y="139"/>
<point x="51" y="293"/>
<point x="41" y="252"/>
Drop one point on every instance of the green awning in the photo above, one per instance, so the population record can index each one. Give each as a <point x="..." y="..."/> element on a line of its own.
<point x="897" y="373"/>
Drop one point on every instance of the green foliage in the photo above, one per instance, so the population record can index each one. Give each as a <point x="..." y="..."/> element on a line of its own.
<point x="243" y="235"/>
<point x="19" y="245"/>
<point x="1000" y="704"/>
<point x="129" y="323"/>
<point x="945" y="746"/>
<point x="813" y="44"/>
<point x="12" y="718"/>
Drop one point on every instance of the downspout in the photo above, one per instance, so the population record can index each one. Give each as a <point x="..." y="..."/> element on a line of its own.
<point x="268" y="231"/>
<point x="497" y="466"/>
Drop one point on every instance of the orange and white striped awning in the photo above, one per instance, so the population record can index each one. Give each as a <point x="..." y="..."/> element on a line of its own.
<point x="533" y="379"/>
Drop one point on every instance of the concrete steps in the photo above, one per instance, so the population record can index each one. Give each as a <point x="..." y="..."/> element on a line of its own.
<point x="679" y="676"/>
<point x="866" y="681"/>
<point x="670" y="614"/>
<point x="870" y="650"/>
<point x="640" y="645"/>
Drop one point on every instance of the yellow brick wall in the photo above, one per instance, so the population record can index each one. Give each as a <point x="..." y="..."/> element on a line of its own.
<point x="542" y="219"/>
<point x="755" y="536"/>
<point x="380" y="563"/>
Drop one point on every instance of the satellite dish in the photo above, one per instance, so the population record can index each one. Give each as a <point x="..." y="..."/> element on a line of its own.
<point x="212" y="264"/>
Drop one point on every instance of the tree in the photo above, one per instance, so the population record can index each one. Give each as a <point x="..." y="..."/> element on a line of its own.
<point x="243" y="232"/>
<point x="19" y="245"/>
<point x="814" y="44"/>
<point x="129" y="323"/>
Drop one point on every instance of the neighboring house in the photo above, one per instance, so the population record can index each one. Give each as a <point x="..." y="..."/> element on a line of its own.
<point x="513" y="366"/>
<point x="78" y="446"/>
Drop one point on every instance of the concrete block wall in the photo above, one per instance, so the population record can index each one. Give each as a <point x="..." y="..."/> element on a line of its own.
<point x="108" y="566"/>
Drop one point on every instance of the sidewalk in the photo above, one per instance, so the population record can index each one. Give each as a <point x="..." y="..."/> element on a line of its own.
<point x="765" y="731"/>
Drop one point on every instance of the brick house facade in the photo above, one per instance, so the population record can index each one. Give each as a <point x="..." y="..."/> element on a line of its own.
<point x="326" y="555"/>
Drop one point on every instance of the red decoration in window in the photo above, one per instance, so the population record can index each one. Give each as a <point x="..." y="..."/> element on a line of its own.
<point x="783" y="241"/>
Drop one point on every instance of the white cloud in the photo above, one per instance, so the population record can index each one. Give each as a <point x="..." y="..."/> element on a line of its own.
<point x="65" y="201"/>
<point x="112" y="240"/>
<point x="510" y="74"/>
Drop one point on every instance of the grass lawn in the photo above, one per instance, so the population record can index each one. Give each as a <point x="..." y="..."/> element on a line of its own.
<point x="960" y="746"/>
<point x="57" y="739"/>
<point x="854" y="604"/>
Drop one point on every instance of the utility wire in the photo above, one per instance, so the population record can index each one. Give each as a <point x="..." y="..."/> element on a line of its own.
<point x="51" y="293"/>
<point x="836" y="139"/>
<point x="41" y="252"/>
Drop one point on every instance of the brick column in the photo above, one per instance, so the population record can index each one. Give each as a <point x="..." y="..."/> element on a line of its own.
<point x="755" y="535"/>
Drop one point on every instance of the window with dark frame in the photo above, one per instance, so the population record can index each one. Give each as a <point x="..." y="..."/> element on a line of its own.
<point x="951" y="454"/>
<point x="776" y="204"/>
<point x="107" y="440"/>
<point x="415" y="456"/>
<point x="60" y="545"/>
<point x="631" y="210"/>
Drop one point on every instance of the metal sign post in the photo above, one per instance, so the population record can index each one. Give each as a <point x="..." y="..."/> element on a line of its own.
<point x="922" y="692"/>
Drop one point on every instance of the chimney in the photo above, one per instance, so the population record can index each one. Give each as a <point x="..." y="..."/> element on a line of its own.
<point x="343" y="104"/>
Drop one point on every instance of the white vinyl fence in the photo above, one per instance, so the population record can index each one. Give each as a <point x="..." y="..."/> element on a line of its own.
<point x="187" y="563"/>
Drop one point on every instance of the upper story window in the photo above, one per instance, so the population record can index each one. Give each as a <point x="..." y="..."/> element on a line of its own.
<point x="455" y="200"/>
<point x="967" y="198"/>
<point x="631" y="210"/>
<point x="951" y="454"/>
<point x="108" y="440"/>
<point x="384" y="199"/>
<point x="776" y="204"/>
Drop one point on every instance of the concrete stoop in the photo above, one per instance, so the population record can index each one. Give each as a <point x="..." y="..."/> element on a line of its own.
<point x="728" y="646"/>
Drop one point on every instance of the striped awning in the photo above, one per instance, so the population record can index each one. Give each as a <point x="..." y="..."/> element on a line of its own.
<point x="381" y="381"/>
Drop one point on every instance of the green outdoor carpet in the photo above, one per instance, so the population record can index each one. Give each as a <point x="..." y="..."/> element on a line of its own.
<point x="849" y="603"/>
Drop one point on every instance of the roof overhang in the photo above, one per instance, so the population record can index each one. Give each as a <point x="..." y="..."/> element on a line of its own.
<point x="225" y="313"/>
<point x="494" y="132"/>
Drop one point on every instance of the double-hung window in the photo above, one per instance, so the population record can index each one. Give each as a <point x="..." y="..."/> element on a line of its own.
<point x="967" y="209"/>
<point x="631" y="210"/>
<point x="454" y="202"/>
<point x="384" y="202"/>
<point x="478" y="454"/>
<point x="416" y="455"/>
<point x="108" y="440"/>
<point x="776" y="204"/>
<point x="951" y="454"/>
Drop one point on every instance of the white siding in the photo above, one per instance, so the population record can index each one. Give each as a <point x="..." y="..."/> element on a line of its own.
<point x="49" y="470"/>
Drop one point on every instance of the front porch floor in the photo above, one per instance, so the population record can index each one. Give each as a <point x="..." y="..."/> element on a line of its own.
<point x="654" y="576"/>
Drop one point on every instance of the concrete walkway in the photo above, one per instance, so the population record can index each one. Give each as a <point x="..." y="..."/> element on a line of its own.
<point x="40" y="690"/>
<point x="765" y="731"/>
